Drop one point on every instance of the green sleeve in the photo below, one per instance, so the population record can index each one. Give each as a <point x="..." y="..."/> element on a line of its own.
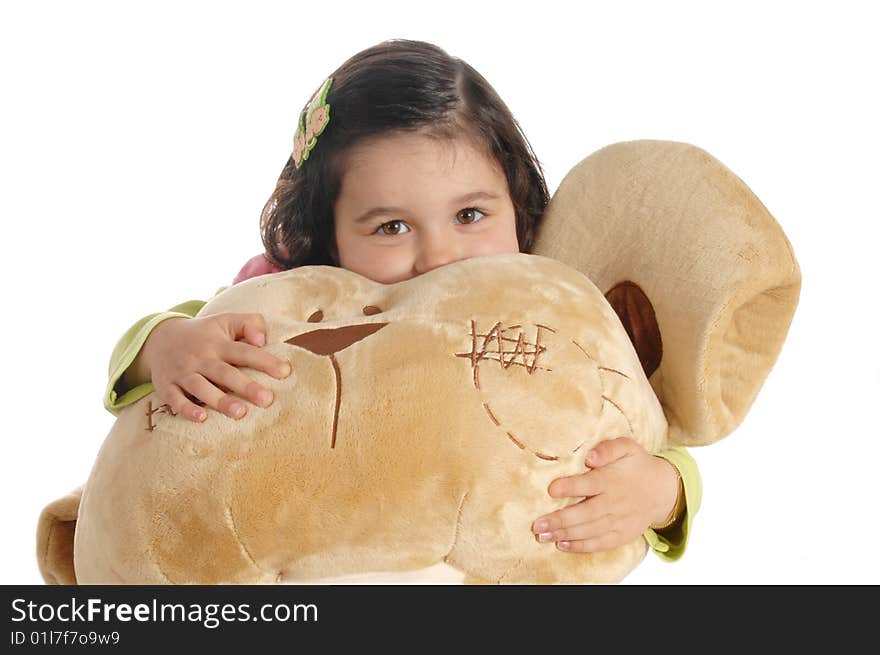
<point x="126" y="351"/>
<point x="670" y="544"/>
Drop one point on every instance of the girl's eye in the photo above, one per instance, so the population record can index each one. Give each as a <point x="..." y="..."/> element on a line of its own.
<point x="392" y="228"/>
<point x="469" y="215"/>
<point x="464" y="217"/>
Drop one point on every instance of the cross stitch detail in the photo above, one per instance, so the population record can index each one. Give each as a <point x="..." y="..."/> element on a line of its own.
<point x="496" y="346"/>
<point x="161" y="409"/>
<point x="523" y="353"/>
<point x="492" y="348"/>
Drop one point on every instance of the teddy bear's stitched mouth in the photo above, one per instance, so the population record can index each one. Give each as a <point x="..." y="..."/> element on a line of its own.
<point x="328" y="342"/>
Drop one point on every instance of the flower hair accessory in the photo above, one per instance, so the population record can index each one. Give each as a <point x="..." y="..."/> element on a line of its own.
<point x="317" y="116"/>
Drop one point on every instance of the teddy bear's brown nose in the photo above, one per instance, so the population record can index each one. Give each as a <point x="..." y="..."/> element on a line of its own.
<point x="330" y="341"/>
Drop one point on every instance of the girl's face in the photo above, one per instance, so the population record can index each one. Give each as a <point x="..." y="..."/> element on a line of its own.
<point x="410" y="203"/>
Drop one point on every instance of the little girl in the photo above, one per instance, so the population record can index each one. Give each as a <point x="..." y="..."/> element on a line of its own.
<point x="404" y="160"/>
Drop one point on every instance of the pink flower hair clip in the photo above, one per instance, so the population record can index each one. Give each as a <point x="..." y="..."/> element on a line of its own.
<point x="317" y="117"/>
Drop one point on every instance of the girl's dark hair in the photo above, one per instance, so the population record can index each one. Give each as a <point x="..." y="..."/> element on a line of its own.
<point x="398" y="85"/>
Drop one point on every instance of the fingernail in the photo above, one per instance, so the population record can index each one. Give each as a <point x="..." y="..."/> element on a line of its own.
<point x="564" y="545"/>
<point x="591" y="456"/>
<point x="261" y="340"/>
<point x="545" y="536"/>
<point x="200" y="415"/>
<point x="237" y="409"/>
<point x="541" y="526"/>
<point x="284" y="371"/>
<point x="264" y="398"/>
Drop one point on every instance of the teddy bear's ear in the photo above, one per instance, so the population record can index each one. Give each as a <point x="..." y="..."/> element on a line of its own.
<point x="55" y="530"/>
<point x="637" y="315"/>
<point x="701" y="274"/>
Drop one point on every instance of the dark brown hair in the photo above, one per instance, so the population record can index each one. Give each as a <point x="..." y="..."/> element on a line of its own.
<point x="398" y="85"/>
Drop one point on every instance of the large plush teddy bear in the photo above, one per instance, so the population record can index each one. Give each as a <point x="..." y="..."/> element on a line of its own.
<point x="424" y="420"/>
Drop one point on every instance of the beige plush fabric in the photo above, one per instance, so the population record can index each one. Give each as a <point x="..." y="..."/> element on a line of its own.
<point x="422" y="424"/>
<point x="424" y="420"/>
<point x="56" y="529"/>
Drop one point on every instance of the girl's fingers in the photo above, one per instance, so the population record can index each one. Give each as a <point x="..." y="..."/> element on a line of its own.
<point x="180" y="404"/>
<point x="609" y="451"/>
<point x="582" y="531"/>
<point x="586" y="511"/>
<point x="255" y="335"/>
<point x="231" y="378"/>
<point x="197" y="386"/>
<point x="580" y="484"/>
<point x="607" y="541"/>
<point x="242" y="354"/>
<point x="250" y="327"/>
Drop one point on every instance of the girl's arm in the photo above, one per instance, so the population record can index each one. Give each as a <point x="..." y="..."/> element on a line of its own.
<point x="194" y="363"/>
<point x="626" y="491"/>
<point x="124" y="386"/>
<point x="670" y="542"/>
<point x="129" y="381"/>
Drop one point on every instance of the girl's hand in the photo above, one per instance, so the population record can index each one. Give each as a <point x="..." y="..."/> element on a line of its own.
<point x="626" y="491"/>
<point x="195" y="358"/>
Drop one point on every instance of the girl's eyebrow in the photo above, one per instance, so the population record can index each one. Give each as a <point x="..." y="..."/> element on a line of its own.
<point x="468" y="197"/>
<point x="475" y="195"/>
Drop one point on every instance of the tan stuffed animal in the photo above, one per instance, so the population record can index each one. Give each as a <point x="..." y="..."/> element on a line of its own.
<point x="425" y="419"/>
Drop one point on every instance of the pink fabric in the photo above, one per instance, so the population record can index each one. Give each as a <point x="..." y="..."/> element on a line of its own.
<point x="257" y="265"/>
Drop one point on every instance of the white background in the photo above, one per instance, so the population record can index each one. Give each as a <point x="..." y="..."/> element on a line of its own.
<point x="139" y="145"/>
